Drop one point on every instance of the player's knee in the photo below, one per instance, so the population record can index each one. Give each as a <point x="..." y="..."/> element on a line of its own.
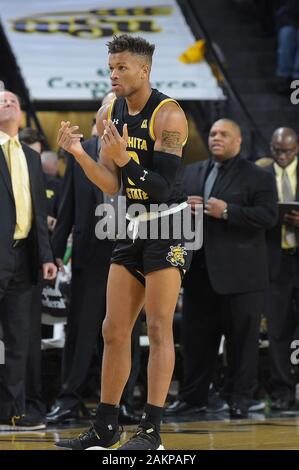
<point x="156" y="332"/>
<point x="112" y="332"/>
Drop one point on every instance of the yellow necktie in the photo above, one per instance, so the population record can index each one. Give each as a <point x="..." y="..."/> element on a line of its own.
<point x="21" y="188"/>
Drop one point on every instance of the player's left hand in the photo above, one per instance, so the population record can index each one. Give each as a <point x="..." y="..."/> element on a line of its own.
<point x="114" y="144"/>
<point x="215" y="207"/>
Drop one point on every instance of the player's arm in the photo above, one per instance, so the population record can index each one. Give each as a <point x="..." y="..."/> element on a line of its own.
<point x="103" y="174"/>
<point x="170" y="131"/>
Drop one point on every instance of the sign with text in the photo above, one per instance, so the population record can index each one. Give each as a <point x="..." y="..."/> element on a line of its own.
<point x="61" y="49"/>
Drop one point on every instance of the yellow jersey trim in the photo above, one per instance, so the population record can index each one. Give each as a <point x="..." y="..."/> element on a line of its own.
<point x="152" y="120"/>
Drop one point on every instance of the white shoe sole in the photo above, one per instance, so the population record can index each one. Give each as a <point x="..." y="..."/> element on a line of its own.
<point x="8" y="427"/>
<point x="98" y="448"/>
<point x="259" y="407"/>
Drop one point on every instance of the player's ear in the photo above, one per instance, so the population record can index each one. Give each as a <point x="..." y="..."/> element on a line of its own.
<point x="145" y="71"/>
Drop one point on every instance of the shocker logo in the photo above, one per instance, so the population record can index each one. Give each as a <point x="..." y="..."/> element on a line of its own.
<point x="176" y="255"/>
<point x="93" y="24"/>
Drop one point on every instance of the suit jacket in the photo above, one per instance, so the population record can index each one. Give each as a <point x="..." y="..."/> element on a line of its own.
<point x="53" y="186"/>
<point x="274" y="237"/>
<point x="38" y="240"/>
<point x="235" y="249"/>
<point x="78" y="200"/>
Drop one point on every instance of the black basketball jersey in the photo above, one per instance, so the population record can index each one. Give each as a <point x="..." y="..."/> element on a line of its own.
<point x="140" y="147"/>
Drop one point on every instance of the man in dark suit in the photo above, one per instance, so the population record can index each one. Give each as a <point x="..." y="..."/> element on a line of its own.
<point x="224" y="289"/>
<point x="24" y="248"/>
<point x="35" y="407"/>
<point x="283" y="242"/>
<point x="90" y="266"/>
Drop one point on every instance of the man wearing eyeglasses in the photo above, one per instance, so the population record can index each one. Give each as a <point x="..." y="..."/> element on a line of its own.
<point x="283" y="244"/>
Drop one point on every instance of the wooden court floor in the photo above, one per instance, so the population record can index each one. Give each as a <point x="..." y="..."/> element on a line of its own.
<point x="267" y="434"/>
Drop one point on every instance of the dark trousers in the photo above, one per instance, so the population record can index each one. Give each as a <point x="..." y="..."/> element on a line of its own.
<point x="15" y="298"/>
<point x="34" y="400"/>
<point x="206" y="316"/>
<point x="283" y="321"/>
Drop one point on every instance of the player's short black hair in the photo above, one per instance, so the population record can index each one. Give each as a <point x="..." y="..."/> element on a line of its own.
<point x="135" y="45"/>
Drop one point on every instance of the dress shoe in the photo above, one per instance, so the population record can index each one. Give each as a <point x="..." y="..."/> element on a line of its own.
<point x="60" y="413"/>
<point x="238" y="411"/>
<point x="127" y="416"/>
<point x="182" y="407"/>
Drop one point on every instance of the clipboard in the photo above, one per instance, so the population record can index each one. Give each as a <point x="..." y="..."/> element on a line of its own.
<point x="286" y="208"/>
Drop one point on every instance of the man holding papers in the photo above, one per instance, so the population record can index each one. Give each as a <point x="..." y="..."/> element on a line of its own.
<point x="283" y="243"/>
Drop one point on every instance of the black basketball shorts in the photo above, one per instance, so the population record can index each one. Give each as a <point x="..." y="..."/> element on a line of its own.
<point x="145" y="255"/>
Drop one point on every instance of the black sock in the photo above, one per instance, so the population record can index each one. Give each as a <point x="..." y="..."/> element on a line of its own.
<point x="152" y="415"/>
<point x="107" y="414"/>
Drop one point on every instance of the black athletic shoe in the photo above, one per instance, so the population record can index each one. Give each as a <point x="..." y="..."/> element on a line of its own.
<point x="95" y="438"/>
<point x="146" y="438"/>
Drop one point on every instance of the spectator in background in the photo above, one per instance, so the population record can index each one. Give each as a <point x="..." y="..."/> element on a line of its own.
<point x="35" y="407"/>
<point x="94" y="131"/>
<point x="24" y="248"/>
<point x="224" y="289"/>
<point x="33" y="139"/>
<point x="283" y="243"/>
<point x="288" y="44"/>
<point x="49" y="163"/>
<point x="53" y="185"/>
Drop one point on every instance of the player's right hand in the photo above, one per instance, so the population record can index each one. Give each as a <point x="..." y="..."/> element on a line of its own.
<point x="68" y="140"/>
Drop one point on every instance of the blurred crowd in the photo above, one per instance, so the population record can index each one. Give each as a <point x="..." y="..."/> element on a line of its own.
<point x="279" y="18"/>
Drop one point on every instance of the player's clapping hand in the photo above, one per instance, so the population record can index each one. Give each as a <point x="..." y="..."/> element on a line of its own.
<point x="114" y="144"/>
<point x="68" y="139"/>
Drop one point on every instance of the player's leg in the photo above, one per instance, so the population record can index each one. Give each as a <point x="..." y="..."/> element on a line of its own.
<point x="162" y="291"/>
<point x="125" y="298"/>
<point x="161" y="294"/>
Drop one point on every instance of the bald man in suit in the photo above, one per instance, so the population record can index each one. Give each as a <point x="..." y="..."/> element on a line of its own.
<point x="24" y="250"/>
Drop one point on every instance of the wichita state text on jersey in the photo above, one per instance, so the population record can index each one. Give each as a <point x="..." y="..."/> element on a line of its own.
<point x="141" y="143"/>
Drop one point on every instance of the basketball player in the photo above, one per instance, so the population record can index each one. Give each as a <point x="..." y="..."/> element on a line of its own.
<point x="143" y="133"/>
